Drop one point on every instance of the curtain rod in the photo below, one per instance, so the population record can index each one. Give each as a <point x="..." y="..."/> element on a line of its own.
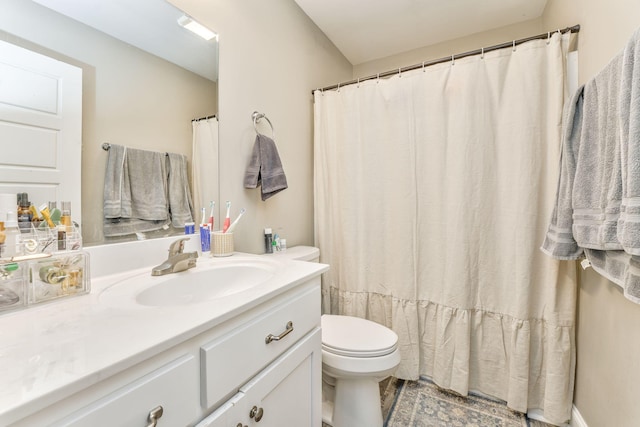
<point x="574" y="29"/>
<point x="204" y="118"/>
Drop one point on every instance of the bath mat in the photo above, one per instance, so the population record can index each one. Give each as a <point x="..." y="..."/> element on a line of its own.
<point x="423" y="404"/>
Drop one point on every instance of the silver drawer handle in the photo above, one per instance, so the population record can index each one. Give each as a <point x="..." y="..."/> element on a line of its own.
<point x="287" y="331"/>
<point x="154" y="415"/>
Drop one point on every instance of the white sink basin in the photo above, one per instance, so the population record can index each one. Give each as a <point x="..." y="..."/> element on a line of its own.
<point x="193" y="286"/>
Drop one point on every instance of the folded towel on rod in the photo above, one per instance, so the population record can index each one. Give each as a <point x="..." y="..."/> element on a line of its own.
<point x="598" y="201"/>
<point x="135" y="191"/>
<point x="180" y="203"/>
<point x="265" y="168"/>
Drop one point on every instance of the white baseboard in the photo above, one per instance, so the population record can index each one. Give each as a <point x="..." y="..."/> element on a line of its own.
<point x="576" y="417"/>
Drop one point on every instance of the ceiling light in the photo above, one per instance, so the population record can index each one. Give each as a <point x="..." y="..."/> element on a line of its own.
<point x="196" y="27"/>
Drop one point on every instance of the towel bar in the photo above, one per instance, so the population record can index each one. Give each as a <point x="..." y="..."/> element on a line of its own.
<point x="257" y="117"/>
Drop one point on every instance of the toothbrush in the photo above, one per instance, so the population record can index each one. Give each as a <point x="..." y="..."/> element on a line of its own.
<point x="212" y="204"/>
<point x="227" y="220"/>
<point x="204" y="217"/>
<point x="233" y="225"/>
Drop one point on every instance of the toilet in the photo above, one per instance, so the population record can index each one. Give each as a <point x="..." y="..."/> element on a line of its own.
<point x="356" y="355"/>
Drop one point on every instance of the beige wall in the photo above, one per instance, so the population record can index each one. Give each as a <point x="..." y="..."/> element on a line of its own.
<point x="271" y="57"/>
<point x="608" y="339"/>
<point x="445" y="49"/>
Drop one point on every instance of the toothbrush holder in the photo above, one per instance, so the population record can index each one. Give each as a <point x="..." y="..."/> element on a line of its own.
<point x="221" y="244"/>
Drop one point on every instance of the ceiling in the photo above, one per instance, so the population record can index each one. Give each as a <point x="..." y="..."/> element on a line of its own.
<point x="364" y="30"/>
<point x="150" y="25"/>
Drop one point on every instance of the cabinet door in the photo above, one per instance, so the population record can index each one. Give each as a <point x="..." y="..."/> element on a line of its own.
<point x="230" y="414"/>
<point x="289" y="391"/>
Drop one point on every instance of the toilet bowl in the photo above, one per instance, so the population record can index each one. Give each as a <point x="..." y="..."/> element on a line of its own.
<point x="356" y="355"/>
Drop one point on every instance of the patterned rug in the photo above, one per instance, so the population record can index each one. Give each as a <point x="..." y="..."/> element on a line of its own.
<point x="423" y="404"/>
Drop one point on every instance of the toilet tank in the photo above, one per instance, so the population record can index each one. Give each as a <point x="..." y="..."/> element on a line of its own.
<point x="302" y="253"/>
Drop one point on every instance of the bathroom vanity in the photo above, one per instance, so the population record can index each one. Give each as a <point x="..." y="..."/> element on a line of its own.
<point x="233" y="342"/>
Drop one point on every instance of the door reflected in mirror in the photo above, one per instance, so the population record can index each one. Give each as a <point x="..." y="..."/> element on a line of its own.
<point x="131" y="97"/>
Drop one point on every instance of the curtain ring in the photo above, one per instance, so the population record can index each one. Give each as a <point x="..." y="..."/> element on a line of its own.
<point x="338" y="87"/>
<point x="548" y="37"/>
<point x="400" y="72"/>
<point x="453" y="60"/>
<point x="481" y="53"/>
<point x="423" y="67"/>
<point x="378" y="78"/>
<point x="514" y="45"/>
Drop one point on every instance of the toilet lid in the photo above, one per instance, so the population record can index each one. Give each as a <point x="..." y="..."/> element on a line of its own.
<point x="356" y="337"/>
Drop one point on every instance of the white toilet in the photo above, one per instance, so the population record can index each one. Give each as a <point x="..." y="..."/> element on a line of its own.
<point x="356" y="355"/>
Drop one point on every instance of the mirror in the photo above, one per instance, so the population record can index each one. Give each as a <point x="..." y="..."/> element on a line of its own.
<point x="141" y="93"/>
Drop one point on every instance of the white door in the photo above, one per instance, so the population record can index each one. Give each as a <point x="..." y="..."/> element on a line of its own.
<point x="40" y="127"/>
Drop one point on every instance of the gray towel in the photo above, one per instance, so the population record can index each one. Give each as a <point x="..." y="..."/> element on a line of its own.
<point x="180" y="204"/>
<point x="629" y="121"/>
<point x="145" y="188"/>
<point x="598" y="202"/>
<point x="620" y="267"/>
<point x="559" y="242"/>
<point x="114" y="181"/>
<point x="134" y="192"/>
<point x="265" y="169"/>
<point x="597" y="190"/>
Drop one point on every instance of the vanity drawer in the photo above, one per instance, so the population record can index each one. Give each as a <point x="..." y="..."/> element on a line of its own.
<point x="173" y="386"/>
<point x="230" y="361"/>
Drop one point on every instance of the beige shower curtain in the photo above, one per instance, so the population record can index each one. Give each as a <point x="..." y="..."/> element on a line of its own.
<point x="433" y="189"/>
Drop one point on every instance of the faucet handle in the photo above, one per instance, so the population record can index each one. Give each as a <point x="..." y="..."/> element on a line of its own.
<point x="178" y="246"/>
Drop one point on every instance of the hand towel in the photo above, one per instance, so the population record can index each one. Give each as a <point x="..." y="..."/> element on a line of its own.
<point x="180" y="203"/>
<point x="265" y="168"/>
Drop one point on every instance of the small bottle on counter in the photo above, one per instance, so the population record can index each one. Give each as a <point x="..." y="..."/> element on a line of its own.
<point x="24" y="213"/>
<point x="3" y="237"/>
<point x="13" y="242"/>
<point x="65" y="219"/>
<point x="268" y="240"/>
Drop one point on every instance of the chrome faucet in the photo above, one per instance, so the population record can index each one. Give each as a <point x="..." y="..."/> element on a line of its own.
<point x="177" y="261"/>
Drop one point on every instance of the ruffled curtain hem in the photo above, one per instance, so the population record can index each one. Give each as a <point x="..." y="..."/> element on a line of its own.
<point x="528" y="363"/>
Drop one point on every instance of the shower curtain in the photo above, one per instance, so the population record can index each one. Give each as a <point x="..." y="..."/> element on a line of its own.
<point x="204" y="169"/>
<point x="433" y="189"/>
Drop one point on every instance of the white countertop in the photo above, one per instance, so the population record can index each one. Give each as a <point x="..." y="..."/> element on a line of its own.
<point x="51" y="351"/>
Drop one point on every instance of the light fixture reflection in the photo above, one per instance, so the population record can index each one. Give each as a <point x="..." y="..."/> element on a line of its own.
<point x="196" y="27"/>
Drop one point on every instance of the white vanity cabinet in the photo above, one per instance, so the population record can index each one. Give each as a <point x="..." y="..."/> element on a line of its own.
<point x="259" y="366"/>
<point x="286" y="393"/>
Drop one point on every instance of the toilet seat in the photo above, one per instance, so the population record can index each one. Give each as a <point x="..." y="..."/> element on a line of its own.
<point x="356" y="337"/>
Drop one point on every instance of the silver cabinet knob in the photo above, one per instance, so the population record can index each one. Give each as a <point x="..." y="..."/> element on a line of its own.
<point x="154" y="414"/>
<point x="256" y="413"/>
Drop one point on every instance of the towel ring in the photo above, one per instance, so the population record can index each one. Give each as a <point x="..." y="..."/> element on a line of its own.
<point x="257" y="117"/>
